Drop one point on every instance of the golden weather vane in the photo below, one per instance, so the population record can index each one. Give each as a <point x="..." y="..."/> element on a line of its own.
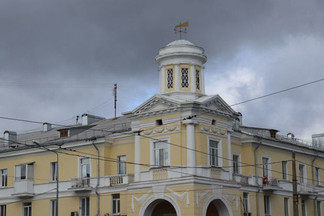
<point x="181" y="28"/>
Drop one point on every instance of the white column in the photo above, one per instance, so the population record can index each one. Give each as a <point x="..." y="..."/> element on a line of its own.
<point x="176" y="78"/>
<point x="137" y="168"/>
<point x="193" y="78"/>
<point x="191" y="145"/>
<point x="229" y="155"/>
<point x="202" y="80"/>
<point x="162" y="80"/>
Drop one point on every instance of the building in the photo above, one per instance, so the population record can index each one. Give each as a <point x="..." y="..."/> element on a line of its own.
<point x="181" y="152"/>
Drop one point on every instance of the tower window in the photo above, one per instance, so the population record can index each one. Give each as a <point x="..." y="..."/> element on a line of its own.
<point x="197" y="79"/>
<point x="158" y="122"/>
<point x="170" y="78"/>
<point x="184" y="78"/>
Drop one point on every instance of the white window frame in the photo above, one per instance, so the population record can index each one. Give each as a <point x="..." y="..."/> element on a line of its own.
<point x="152" y="150"/>
<point x="239" y="171"/>
<point x="267" y="202"/>
<point x="317" y="176"/>
<point x="53" y="170"/>
<point x="29" y="172"/>
<point x="53" y="204"/>
<point x="247" y="200"/>
<point x="80" y="167"/>
<point x="284" y="167"/>
<point x="3" y="178"/>
<point x="3" y="210"/>
<point x="303" y="207"/>
<point x="86" y="207"/>
<point x="116" y="202"/>
<point x="121" y="165"/>
<point x="286" y="206"/>
<point x="319" y="208"/>
<point x="268" y="166"/>
<point x="304" y="177"/>
<point x="28" y="206"/>
<point x="219" y="149"/>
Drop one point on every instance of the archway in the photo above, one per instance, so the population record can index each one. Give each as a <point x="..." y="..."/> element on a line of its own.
<point x="217" y="207"/>
<point x="160" y="207"/>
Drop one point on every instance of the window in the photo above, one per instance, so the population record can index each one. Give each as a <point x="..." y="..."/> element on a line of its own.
<point x="121" y="164"/>
<point x="53" y="204"/>
<point x="158" y="122"/>
<point x="115" y="204"/>
<point x="84" y="206"/>
<point x="184" y="78"/>
<point x="198" y="79"/>
<point x="319" y="208"/>
<point x="84" y="167"/>
<point x="3" y="209"/>
<point x="301" y="173"/>
<point x="245" y="202"/>
<point x="3" y="178"/>
<point x="24" y="171"/>
<point x="284" y="170"/>
<point x="64" y="133"/>
<point x="265" y="166"/>
<point x="304" y="210"/>
<point x="235" y="164"/>
<point x="267" y="205"/>
<point x="213" y="153"/>
<point x="317" y="176"/>
<point x="169" y="78"/>
<point x="27" y="209"/>
<point x="53" y="171"/>
<point x="286" y="206"/>
<point x="161" y="153"/>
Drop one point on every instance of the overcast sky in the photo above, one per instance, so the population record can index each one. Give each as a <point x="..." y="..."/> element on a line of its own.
<point x="60" y="59"/>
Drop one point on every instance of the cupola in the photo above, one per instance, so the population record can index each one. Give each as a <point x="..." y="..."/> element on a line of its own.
<point x="181" y="69"/>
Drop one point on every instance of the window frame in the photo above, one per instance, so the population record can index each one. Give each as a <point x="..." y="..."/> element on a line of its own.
<point x="53" y="204"/>
<point x="80" y="165"/>
<point x="153" y="153"/>
<point x="246" y="202"/>
<point x="3" y="178"/>
<point x="3" y="210"/>
<point x="219" y="152"/>
<point x="304" y="173"/>
<point x="27" y="206"/>
<point x="284" y="167"/>
<point x="185" y="83"/>
<point x="304" y="207"/>
<point x="319" y="208"/>
<point x="85" y="210"/>
<point x="286" y="207"/>
<point x="28" y="169"/>
<point x="317" y="176"/>
<point x="53" y="169"/>
<point x="238" y="164"/>
<point x="267" y="204"/>
<point x="115" y="204"/>
<point x="266" y="168"/>
<point x="121" y="165"/>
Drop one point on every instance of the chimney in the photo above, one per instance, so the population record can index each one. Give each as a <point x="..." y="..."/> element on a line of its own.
<point x="87" y="119"/>
<point x="10" y="138"/>
<point x="47" y="126"/>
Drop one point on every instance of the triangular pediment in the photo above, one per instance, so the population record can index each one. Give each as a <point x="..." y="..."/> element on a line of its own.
<point x="155" y="104"/>
<point x="217" y="103"/>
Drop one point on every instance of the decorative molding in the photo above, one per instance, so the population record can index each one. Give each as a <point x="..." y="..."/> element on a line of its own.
<point x="213" y="129"/>
<point x="201" y="196"/>
<point x="139" y="200"/>
<point x="159" y="190"/>
<point x="231" y="199"/>
<point x="180" y="196"/>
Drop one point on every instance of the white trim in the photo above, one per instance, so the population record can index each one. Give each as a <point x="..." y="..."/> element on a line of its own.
<point x="153" y="198"/>
<point x="220" y="151"/>
<point x="269" y="165"/>
<point x="304" y="173"/>
<point x="239" y="164"/>
<point x="79" y="165"/>
<point x="152" y="141"/>
<point x="221" y="198"/>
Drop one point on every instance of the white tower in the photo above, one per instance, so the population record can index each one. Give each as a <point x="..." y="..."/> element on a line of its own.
<point x="181" y="69"/>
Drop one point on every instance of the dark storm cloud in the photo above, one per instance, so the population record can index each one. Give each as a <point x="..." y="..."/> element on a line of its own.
<point x="48" y="47"/>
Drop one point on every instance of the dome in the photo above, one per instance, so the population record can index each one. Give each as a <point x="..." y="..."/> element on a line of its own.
<point x="180" y="42"/>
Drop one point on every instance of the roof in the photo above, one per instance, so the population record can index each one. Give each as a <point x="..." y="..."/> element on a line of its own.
<point x="180" y="42"/>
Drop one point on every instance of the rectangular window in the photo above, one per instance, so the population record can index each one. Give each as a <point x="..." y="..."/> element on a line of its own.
<point x="284" y="170"/>
<point x="170" y="78"/>
<point x="213" y="153"/>
<point x="161" y="153"/>
<point x="245" y="202"/>
<point x="286" y="206"/>
<point x="267" y="205"/>
<point x="3" y="178"/>
<point x="24" y="171"/>
<point x="301" y="173"/>
<point x="197" y="79"/>
<point x="235" y="164"/>
<point x="317" y="176"/>
<point x="27" y="209"/>
<point x="53" y="204"/>
<point x="84" y="206"/>
<point x="85" y="167"/>
<point x="319" y="208"/>
<point x="184" y="78"/>
<point x="115" y="204"/>
<point x="3" y="210"/>
<point x="265" y="166"/>
<point x="53" y="171"/>
<point x="304" y="208"/>
<point x="121" y="164"/>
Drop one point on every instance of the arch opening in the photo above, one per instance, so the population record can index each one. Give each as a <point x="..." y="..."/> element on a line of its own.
<point x="217" y="208"/>
<point x="160" y="207"/>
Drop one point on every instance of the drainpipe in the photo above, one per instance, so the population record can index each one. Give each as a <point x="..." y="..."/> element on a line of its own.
<point x="313" y="182"/>
<point x="257" y="177"/>
<point x="98" y="178"/>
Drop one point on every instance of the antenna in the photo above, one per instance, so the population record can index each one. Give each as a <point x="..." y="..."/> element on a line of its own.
<point x="115" y="96"/>
<point x="181" y="28"/>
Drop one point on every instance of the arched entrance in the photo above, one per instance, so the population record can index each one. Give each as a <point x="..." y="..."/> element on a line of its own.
<point x="217" y="207"/>
<point x="160" y="207"/>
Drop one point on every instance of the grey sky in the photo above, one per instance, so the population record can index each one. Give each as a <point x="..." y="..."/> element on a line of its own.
<point x="59" y="59"/>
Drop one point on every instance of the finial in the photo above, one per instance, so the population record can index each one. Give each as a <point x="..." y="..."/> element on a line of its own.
<point x="181" y="28"/>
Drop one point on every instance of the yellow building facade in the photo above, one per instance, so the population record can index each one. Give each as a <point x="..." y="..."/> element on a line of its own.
<point x="181" y="152"/>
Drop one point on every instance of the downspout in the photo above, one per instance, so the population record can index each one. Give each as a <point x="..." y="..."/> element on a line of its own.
<point x="98" y="179"/>
<point x="313" y="181"/>
<point x="257" y="177"/>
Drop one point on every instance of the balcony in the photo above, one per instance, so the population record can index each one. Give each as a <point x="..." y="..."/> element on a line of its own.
<point x="271" y="184"/>
<point x="24" y="188"/>
<point x="81" y="184"/>
<point x="306" y="189"/>
<point x="118" y="180"/>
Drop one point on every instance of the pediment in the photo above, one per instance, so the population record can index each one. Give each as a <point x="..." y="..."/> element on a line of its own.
<point x="217" y="103"/>
<point x="155" y="104"/>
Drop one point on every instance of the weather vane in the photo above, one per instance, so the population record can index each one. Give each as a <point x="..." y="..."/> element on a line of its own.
<point x="181" y="28"/>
